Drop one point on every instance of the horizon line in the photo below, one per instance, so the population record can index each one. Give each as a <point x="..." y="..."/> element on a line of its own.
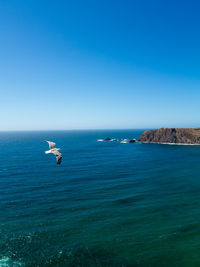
<point x="89" y="129"/>
<point x="96" y="129"/>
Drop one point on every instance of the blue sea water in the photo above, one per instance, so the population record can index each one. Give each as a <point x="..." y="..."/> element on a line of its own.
<point x="107" y="204"/>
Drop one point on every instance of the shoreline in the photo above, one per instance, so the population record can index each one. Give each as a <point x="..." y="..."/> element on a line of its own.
<point x="174" y="144"/>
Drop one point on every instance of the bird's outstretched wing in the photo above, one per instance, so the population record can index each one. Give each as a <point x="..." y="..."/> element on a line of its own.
<point x="51" y="144"/>
<point x="59" y="159"/>
<point x="58" y="156"/>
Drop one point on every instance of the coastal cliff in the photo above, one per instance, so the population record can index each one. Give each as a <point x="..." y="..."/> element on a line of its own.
<point x="172" y="135"/>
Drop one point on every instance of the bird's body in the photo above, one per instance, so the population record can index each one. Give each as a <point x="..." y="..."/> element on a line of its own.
<point x="54" y="151"/>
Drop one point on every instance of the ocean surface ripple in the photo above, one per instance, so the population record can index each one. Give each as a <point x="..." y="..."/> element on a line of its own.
<point x="108" y="204"/>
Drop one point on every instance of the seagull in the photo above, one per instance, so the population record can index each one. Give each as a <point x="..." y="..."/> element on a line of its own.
<point x="55" y="151"/>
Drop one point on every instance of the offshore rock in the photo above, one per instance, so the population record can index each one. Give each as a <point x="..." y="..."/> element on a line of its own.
<point x="107" y="139"/>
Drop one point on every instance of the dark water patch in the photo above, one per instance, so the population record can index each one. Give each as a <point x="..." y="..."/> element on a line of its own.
<point x="189" y="228"/>
<point x="128" y="200"/>
<point x="85" y="257"/>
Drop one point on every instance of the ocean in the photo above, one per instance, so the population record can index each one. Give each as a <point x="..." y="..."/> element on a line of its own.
<point x="107" y="204"/>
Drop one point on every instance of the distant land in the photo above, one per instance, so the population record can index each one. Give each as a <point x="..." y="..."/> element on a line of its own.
<point x="171" y="136"/>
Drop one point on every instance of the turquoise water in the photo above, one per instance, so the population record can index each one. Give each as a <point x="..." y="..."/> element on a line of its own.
<point x="108" y="204"/>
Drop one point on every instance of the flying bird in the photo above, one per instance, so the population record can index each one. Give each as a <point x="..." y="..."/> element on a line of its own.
<point x="54" y="150"/>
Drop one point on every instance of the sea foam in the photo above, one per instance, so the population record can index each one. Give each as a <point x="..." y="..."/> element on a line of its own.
<point x="8" y="262"/>
<point x="171" y="144"/>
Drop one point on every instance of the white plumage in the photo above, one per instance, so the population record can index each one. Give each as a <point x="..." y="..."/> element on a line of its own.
<point x="55" y="151"/>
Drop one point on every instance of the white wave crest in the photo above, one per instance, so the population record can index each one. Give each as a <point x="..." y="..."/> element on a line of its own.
<point x="171" y="144"/>
<point x="124" y="141"/>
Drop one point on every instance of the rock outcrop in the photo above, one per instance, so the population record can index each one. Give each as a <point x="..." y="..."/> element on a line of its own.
<point x="107" y="139"/>
<point x="172" y="135"/>
<point x="132" y="141"/>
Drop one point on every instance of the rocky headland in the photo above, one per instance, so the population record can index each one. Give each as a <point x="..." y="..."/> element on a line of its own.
<point x="171" y="136"/>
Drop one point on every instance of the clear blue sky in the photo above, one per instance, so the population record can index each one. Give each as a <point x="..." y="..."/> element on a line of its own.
<point x="99" y="64"/>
